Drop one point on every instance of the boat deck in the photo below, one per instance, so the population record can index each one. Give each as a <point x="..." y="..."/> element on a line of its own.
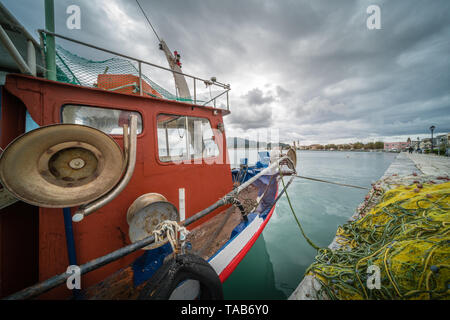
<point x="210" y="236"/>
<point x="206" y="239"/>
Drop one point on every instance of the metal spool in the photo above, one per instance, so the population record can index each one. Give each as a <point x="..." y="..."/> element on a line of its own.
<point x="144" y="221"/>
<point x="143" y="201"/>
<point x="61" y="165"/>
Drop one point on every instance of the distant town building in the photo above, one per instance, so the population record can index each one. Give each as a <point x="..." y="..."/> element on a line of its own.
<point x="442" y="141"/>
<point x="396" y="146"/>
<point x="425" y="144"/>
<point x="415" y="144"/>
<point x="315" y="147"/>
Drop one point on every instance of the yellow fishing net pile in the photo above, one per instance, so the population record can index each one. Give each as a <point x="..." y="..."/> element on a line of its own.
<point x="406" y="237"/>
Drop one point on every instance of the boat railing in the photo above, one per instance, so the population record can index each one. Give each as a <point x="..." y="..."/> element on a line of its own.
<point x="224" y="88"/>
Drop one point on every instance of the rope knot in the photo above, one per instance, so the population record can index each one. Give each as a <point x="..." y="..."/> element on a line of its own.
<point x="170" y="229"/>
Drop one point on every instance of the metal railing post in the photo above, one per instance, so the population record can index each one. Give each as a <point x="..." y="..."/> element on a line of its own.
<point x="9" y="45"/>
<point x="141" y="91"/>
<point x="31" y="57"/>
<point x="195" y="92"/>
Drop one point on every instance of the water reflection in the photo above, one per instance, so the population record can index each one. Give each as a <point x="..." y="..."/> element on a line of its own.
<point x="254" y="277"/>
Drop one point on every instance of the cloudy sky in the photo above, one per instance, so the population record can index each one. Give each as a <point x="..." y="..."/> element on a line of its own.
<point x="310" y="69"/>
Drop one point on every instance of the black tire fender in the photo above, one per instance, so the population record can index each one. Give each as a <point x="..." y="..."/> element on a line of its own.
<point x="183" y="267"/>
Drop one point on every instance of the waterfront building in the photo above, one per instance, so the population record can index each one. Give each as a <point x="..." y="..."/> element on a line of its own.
<point x="396" y="146"/>
<point x="442" y="140"/>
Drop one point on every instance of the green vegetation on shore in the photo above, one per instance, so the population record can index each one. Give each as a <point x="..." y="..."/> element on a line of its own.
<point x="379" y="145"/>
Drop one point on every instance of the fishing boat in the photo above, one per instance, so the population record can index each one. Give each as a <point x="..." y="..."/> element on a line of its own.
<point x="114" y="189"/>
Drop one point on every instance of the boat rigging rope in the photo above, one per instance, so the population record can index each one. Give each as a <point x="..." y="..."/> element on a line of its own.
<point x="148" y="20"/>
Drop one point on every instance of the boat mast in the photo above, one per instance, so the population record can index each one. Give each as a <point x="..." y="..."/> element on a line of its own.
<point x="180" y="81"/>
<point x="50" y="55"/>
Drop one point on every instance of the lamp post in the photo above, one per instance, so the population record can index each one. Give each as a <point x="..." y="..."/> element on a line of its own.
<point x="432" y="129"/>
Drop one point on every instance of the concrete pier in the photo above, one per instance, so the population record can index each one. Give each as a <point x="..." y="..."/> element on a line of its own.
<point x="405" y="170"/>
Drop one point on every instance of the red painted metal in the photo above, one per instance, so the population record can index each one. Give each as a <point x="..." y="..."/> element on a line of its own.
<point x="107" y="229"/>
<point x="18" y="247"/>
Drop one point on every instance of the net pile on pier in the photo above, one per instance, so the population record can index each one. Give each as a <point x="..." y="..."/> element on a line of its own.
<point x="406" y="235"/>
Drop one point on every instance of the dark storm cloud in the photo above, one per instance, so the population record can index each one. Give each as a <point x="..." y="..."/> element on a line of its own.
<point x="246" y="118"/>
<point x="244" y="115"/>
<point x="310" y="68"/>
<point x="256" y="97"/>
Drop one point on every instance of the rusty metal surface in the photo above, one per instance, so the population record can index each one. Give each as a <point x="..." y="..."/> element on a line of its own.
<point x="62" y="165"/>
<point x="143" y="201"/>
<point x="118" y="286"/>
<point x="71" y="164"/>
<point x="144" y="222"/>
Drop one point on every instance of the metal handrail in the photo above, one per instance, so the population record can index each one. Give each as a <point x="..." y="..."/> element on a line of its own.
<point x="224" y="86"/>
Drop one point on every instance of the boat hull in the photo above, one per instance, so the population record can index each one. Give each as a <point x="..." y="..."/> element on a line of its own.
<point x="129" y="282"/>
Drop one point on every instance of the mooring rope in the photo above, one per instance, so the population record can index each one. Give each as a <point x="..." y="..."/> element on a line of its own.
<point x="312" y="244"/>
<point x="337" y="183"/>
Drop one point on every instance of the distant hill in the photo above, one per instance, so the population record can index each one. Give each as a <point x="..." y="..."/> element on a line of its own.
<point x="235" y="142"/>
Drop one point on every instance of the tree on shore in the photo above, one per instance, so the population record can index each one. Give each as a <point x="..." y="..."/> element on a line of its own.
<point x="331" y="146"/>
<point x="379" y="145"/>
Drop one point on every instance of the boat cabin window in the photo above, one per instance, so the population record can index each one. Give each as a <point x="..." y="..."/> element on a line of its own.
<point x="185" y="138"/>
<point x="107" y="120"/>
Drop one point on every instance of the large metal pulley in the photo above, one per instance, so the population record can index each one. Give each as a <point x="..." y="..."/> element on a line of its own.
<point x="61" y="165"/>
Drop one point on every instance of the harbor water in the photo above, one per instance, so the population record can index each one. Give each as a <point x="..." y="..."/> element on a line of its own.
<point x="276" y="263"/>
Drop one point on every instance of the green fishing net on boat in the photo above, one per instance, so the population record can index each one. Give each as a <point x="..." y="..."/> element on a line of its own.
<point x="71" y="68"/>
